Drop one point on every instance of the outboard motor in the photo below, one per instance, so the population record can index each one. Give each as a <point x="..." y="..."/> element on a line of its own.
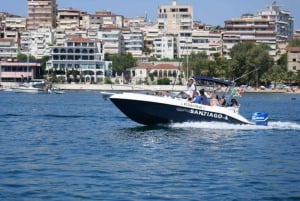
<point x="260" y="118"/>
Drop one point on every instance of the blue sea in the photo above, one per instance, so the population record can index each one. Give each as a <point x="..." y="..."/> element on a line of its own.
<point x="77" y="146"/>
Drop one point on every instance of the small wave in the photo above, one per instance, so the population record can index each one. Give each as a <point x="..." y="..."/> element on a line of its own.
<point x="63" y="116"/>
<point x="12" y="115"/>
<point x="226" y="126"/>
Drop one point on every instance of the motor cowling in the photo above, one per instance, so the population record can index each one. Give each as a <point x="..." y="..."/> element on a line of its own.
<point x="260" y="118"/>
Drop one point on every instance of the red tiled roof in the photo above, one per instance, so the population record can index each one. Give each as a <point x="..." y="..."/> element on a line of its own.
<point x="6" y="40"/>
<point x="111" y="26"/>
<point x="164" y="66"/>
<point x="293" y="49"/>
<point x="80" y="40"/>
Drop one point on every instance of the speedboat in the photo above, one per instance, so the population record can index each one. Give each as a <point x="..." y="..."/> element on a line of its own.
<point x="151" y="109"/>
<point x="34" y="87"/>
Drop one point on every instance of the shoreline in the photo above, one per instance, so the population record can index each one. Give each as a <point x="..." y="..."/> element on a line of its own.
<point x="125" y="87"/>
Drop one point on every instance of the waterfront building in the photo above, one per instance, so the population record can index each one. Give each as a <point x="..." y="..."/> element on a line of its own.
<point x="284" y="22"/>
<point x="80" y="59"/>
<point x="8" y="48"/>
<point x="293" y="59"/>
<point x="141" y="74"/>
<point x="173" y="19"/>
<point x="249" y="28"/>
<point x="41" y="13"/>
<point x="14" y="71"/>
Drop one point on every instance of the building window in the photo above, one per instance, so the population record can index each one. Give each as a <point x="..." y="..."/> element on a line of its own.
<point x="294" y="68"/>
<point x="294" y="60"/>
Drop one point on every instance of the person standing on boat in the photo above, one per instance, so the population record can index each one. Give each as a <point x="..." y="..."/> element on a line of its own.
<point x="192" y="92"/>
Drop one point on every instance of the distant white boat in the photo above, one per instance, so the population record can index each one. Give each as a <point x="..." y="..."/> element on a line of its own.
<point x="38" y="87"/>
<point x="57" y="91"/>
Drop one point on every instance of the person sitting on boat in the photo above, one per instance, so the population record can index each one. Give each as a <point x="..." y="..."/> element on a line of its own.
<point x="222" y="101"/>
<point x="214" y="100"/>
<point x="201" y="98"/>
<point x="234" y="103"/>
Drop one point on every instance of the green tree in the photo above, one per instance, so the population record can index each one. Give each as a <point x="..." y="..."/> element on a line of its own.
<point x="122" y="62"/>
<point x="43" y="62"/>
<point x="163" y="81"/>
<point x="196" y="63"/>
<point x="25" y="57"/>
<point x="249" y="62"/>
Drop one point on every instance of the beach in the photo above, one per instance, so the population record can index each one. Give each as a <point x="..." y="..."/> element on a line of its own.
<point x="126" y="87"/>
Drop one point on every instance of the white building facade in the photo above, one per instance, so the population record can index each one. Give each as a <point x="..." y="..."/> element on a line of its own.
<point x="81" y="55"/>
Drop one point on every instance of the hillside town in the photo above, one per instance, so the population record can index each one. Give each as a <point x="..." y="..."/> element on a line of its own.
<point x="74" y="45"/>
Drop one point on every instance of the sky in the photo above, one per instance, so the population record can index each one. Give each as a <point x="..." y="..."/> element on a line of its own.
<point x="213" y="12"/>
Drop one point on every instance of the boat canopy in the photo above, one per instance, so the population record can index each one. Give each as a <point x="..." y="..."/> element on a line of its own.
<point x="214" y="80"/>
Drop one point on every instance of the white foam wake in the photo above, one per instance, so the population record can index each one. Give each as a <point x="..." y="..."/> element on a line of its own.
<point x="225" y="126"/>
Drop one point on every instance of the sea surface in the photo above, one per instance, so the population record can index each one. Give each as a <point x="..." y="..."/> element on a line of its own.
<point x="77" y="146"/>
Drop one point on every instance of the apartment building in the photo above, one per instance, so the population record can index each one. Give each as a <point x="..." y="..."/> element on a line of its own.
<point x="293" y="59"/>
<point x="172" y="19"/>
<point x="284" y="22"/>
<point x="8" y="48"/>
<point x="69" y="18"/>
<point x="164" y="47"/>
<point x="133" y="42"/>
<point x="37" y="42"/>
<point x="112" y="40"/>
<point x="249" y="28"/>
<point x="41" y="13"/>
<point x="297" y="34"/>
<point x="151" y="32"/>
<point x="103" y="19"/>
<point x="11" y="25"/>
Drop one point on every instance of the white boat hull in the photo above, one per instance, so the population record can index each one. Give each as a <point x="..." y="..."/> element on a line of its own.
<point x="31" y="90"/>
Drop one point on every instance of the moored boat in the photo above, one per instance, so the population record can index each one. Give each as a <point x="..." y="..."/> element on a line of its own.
<point x="34" y="87"/>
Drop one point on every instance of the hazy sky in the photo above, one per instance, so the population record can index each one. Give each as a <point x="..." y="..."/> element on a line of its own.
<point x="213" y="12"/>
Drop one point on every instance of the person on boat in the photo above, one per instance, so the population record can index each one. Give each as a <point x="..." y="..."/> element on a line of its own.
<point x="214" y="100"/>
<point x="222" y="101"/>
<point x="234" y="103"/>
<point x="201" y="98"/>
<point x="192" y="92"/>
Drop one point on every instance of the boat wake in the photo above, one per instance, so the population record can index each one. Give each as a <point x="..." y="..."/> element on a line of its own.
<point x="272" y="125"/>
